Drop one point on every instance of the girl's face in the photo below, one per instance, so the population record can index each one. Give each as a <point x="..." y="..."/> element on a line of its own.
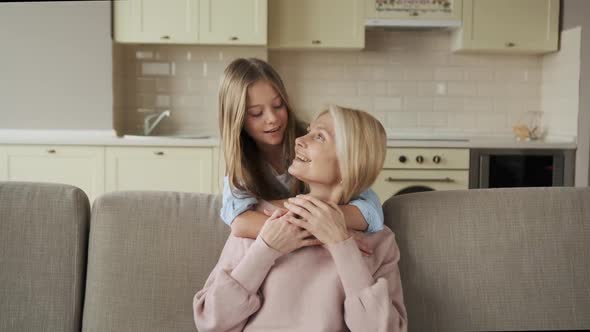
<point x="315" y="154"/>
<point x="266" y="114"/>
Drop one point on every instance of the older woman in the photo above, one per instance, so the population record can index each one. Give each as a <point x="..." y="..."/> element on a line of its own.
<point x="304" y="272"/>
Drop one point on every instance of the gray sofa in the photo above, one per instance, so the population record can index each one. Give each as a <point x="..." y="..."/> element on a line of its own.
<point x="509" y="259"/>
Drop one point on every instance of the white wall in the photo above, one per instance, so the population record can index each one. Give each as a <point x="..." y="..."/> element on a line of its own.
<point x="55" y="65"/>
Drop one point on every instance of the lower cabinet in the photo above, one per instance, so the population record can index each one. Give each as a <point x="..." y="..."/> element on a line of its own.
<point x="80" y="166"/>
<point x="159" y="168"/>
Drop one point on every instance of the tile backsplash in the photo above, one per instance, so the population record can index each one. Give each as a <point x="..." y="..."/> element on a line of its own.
<point x="183" y="79"/>
<point x="409" y="79"/>
<point x="413" y="83"/>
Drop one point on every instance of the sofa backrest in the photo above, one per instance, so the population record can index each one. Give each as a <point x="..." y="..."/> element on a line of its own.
<point x="43" y="241"/>
<point x="494" y="259"/>
<point x="149" y="253"/>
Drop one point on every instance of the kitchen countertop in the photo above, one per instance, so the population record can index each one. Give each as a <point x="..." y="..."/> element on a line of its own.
<point x="108" y="138"/>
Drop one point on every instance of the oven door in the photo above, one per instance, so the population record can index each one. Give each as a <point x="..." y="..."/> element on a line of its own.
<point x="397" y="182"/>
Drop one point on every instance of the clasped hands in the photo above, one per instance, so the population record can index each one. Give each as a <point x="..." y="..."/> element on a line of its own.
<point x="305" y="221"/>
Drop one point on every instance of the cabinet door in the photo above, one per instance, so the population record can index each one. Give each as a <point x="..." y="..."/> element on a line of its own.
<point x="523" y="26"/>
<point x="154" y="168"/>
<point x="316" y="24"/>
<point x="156" y="21"/>
<point x="80" y="166"/>
<point x="233" y="22"/>
<point x="431" y="10"/>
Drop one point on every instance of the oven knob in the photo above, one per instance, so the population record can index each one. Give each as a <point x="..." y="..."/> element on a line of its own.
<point x="436" y="159"/>
<point x="419" y="159"/>
<point x="402" y="159"/>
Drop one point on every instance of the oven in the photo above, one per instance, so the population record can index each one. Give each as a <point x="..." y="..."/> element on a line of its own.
<point x="409" y="170"/>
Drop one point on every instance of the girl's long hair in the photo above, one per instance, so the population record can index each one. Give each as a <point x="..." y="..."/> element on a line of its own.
<point x="245" y="166"/>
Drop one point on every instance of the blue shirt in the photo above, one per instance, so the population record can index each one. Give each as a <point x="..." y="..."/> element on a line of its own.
<point x="237" y="202"/>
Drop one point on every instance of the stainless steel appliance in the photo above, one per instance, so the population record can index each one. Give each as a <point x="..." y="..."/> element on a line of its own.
<point x="502" y="168"/>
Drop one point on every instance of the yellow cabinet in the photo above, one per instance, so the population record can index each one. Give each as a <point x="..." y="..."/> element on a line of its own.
<point x="426" y="10"/>
<point x="316" y="24"/>
<point x="153" y="168"/>
<point x="233" y="22"/>
<point x="80" y="166"/>
<point x="220" y="22"/>
<point x="156" y="21"/>
<point x="509" y="26"/>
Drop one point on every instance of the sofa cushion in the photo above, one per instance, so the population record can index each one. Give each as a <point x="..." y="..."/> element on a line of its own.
<point x="149" y="253"/>
<point x="494" y="259"/>
<point x="43" y="240"/>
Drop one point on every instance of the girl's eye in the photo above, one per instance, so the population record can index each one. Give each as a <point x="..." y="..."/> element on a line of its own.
<point x="255" y="115"/>
<point x="278" y="106"/>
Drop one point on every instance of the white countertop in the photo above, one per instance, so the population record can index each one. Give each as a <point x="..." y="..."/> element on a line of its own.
<point x="108" y="138"/>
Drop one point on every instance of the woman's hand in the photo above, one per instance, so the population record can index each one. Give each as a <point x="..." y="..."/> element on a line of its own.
<point x="283" y="236"/>
<point x="324" y="220"/>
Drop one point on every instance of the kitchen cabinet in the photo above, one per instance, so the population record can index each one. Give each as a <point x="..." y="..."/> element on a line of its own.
<point x="156" y="21"/>
<point x="220" y="22"/>
<point x="311" y="24"/>
<point x="80" y="166"/>
<point x="160" y="168"/>
<point x="508" y="26"/>
<point x="233" y="22"/>
<point x="408" y="10"/>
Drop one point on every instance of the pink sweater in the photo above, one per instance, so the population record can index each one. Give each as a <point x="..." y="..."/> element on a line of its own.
<point x="323" y="288"/>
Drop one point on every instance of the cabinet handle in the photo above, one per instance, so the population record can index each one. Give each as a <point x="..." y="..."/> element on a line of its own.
<point x="52" y="151"/>
<point x="159" y="153"/>
<point x="233" y="38"/>
<point x="414" y="14"/>
<point x="390" y="179"/>
<point x="316" y="42"/>
<point x="165" y="37"/>
<point x="510" y="44"/>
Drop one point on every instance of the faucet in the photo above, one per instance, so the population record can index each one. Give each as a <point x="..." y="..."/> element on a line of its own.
<point x="149" y="127"/>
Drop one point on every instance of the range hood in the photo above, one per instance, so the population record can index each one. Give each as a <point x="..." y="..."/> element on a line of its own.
<point x="401" y="23"/>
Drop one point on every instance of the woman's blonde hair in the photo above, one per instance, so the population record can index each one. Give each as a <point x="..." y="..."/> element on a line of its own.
<point x="360" y="148"/>
<point x="245" y="166"/>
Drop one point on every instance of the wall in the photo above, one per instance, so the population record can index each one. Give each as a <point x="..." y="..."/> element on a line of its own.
<point x="182" y="79"/>
<point x="413" y="83"/>
<point x="55" y="65"/>
<point x="575" y="13"/>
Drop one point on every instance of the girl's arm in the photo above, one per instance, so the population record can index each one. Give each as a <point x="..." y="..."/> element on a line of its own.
<point x="364" y="213"/>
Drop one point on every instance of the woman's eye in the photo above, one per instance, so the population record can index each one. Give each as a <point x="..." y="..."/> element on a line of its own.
<point x="307" y="129"/>
<point x="319" y="137"/>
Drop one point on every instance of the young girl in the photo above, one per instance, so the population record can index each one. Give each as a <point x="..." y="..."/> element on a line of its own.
<point x="258" y="130"/>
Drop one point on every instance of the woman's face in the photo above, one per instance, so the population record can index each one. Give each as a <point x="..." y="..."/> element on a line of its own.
<point x="315" y="159"/>
<point x="266" y="114"/>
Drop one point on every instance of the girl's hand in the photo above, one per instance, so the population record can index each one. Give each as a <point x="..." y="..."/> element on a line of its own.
<point x="267" y="207"/>
<point x="324" y="220"/>
<point x="283" y="236"/>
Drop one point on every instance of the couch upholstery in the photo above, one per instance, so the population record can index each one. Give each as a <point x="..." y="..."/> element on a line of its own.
<point x="492" y="260"/>
<point x="43" y="241"/>
<point x="501" y="259"/>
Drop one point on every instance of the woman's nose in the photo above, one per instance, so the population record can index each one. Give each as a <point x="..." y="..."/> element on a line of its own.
<point x="299" y="141"/>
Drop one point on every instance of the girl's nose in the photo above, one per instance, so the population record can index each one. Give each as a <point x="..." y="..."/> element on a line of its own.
<point x="270" y="117"/>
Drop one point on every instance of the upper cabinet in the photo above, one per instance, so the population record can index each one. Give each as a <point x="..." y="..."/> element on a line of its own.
<point x="241" y="22"/>
<point x="156" y="21"/>
<point x="219" y="22"/>
<point x="413" y="10"/>
<point x="299" y="24"/>
<point x="509" y="26"/>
